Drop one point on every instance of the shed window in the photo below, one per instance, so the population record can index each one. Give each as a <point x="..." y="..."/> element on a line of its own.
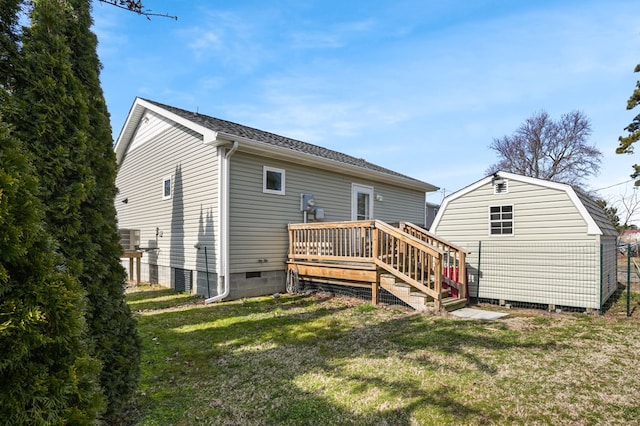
<point x="166" y="188"/>
<point x="501" y="220"/>
<point x="272" y="180"/>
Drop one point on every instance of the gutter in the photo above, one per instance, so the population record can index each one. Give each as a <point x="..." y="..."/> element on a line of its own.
<point x="225" y="275"/>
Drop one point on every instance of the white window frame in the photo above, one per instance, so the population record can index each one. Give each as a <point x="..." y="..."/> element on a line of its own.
<point x="164" y="183"/>
<point x="265" y="171"/>
<point x="501" y="220"/>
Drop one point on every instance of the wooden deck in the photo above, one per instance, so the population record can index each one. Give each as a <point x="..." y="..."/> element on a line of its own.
<point x="406" y="260"/>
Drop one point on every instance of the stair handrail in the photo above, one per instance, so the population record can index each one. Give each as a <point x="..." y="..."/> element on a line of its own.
<point x="420" y="259"/>
<point x="428" y="236"/>
<point x="447" y="247"/>
<point x="419" y="245"/>
<point x="397" y="231"/>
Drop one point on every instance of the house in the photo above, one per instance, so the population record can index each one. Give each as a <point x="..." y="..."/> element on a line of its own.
<point x="532" y="242"/>
<point x="431" y="212"/>
<point x="630" y="237"/>
<point x="211" y="199"/>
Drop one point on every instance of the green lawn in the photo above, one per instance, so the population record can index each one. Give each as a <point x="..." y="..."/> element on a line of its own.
<point x="319" y="360"/>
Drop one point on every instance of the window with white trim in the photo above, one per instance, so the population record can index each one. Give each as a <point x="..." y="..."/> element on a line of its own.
<point x="273" y="180"/>
<point x="166" y="188"/>
<point x="501" y="220"/>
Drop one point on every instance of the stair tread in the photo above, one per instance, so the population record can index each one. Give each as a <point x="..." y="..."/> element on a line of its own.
<point x="416" y="298"/>
<point x="402" y="284"/>
<point x="453" y="303"/>
<point x="446" y="300"/>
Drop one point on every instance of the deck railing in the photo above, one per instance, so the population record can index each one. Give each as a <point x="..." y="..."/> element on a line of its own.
<point x="414" y="261"/>
<point x="453" y="261"/>
<point x="408" y="252"/>
<point x="332" y="241"/>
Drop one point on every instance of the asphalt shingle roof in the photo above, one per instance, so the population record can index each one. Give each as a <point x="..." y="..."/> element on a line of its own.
<point x="596" y="213"/>
<point x="228" y="127"/>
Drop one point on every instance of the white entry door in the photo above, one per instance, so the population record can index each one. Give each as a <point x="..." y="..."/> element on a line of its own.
<point x="361" y="202"/>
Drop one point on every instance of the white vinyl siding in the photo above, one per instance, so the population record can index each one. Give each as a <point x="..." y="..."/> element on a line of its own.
<point x="466" y="217"/>
<point x="563" y="274"/>
<point x="174" y="226"/>
<point x="258" y="229"/>
<point x="546" y="218"/>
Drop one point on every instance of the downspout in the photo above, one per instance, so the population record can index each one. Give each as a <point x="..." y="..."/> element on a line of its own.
<point x="224" y="225"/>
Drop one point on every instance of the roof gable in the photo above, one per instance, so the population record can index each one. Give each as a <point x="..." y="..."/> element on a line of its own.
<point x="220" y="132"/>
<point x="597" y="222"/>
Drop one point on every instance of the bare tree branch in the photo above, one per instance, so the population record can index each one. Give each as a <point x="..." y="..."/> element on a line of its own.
<point x="548" y="149"/>
<point x="630" y="206"/>
<point x="136" y="6"/>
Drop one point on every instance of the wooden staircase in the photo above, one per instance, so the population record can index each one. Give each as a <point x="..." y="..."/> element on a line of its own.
<point x="417" y="299"/>
<point x="406" y="260"/>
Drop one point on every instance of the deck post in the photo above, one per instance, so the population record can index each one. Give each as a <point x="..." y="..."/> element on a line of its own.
<point x="374" y="293"/>
<point x="131" y="255"/>
<point x="292" y="242"/>
<point x="374" y="241"/>
<point x="462" y="274"/>
<point x="437" y="267"/>
<point x="138" y="260"/>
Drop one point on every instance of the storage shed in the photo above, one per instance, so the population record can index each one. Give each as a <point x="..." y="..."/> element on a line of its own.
<point x="531" y="242"/>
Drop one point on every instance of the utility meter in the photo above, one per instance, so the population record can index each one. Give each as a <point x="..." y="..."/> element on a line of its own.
<point x="307" y="203"/>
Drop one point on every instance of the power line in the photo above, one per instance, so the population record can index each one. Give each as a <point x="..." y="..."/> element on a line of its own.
<point x="616" y="184"/>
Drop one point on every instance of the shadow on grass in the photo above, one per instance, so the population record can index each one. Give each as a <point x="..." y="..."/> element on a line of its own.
<point x="454" y="338"/>
<point x="165" y="302"/>
<point x="308" y="360"/>
<point x="144" y="293"/>
<point x="307" y="408"/>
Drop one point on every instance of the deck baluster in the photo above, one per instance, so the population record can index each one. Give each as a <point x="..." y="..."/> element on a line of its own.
<point x="359" y="251"/>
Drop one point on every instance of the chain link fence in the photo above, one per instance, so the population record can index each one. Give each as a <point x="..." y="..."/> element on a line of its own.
<point x="627" y="298"/>
<point x="358" y="292"/>
<point x="573" y="277"/>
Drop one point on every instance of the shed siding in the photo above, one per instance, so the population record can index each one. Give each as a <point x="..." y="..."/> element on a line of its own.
<point x="609" y="266"/>
<point x="467" y="217"/>
<point x="188" y="217"/>
<point x="258" y="221"/>
<point x="554" y="260"/>
<point x="563" y="274"/>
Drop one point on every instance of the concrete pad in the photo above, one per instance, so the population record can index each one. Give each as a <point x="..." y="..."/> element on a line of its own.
<point x="478" y="314"/>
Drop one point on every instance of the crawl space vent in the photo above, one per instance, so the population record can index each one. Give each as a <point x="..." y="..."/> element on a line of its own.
<point x="183" y="279"/>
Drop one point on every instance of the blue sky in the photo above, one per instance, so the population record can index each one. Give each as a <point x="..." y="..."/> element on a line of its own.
<point x="419" y="87"/>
